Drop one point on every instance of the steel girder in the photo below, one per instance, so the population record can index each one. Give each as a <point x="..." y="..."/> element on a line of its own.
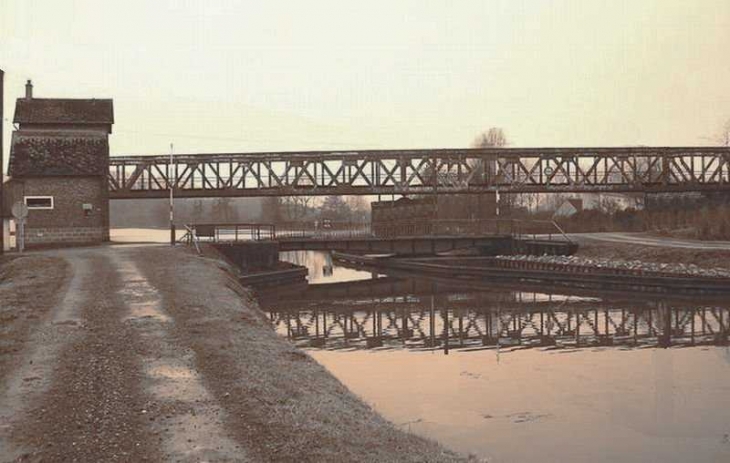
<point x="427" y="171"/>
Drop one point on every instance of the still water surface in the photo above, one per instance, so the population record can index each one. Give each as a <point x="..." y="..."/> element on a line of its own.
<point x="515" y="375"/>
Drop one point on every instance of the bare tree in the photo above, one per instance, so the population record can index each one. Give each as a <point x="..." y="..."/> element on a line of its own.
<point x="271" y="210"/>
<point x="608" y="204"/>
<point x="724" y="136"/>
<point x="359" y="208"/>
<point x="494" y="137"/>
<point x="296" y="207"/>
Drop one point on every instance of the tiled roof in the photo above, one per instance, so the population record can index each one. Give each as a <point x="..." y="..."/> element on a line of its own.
<point x="78" y="153"/>
<point x="63" y="111"/>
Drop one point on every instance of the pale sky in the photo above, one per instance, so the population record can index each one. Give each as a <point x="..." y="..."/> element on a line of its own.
<point x="291" y="75"/>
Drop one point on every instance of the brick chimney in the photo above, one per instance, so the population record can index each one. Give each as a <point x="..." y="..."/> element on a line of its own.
<point x="28" y="90"/>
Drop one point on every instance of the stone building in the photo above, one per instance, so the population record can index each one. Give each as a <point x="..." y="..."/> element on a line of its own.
<point x="59" y="162"/>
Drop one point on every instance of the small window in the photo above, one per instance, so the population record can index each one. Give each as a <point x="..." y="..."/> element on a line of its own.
<point x="39" y="202"/>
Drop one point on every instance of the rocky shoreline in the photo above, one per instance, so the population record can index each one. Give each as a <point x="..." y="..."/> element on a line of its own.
<point x="608" y="263"/>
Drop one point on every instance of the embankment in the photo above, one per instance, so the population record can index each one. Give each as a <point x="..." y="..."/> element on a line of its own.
<point x="281" y="404"/>
<point x="704" y="258"/>
<point x="556" y="271"/>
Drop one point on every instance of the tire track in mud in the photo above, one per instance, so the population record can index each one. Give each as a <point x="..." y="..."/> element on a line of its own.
<point x="90" y="409"/>
<point x="25" y="385"/>
<point x="184" y="416"/>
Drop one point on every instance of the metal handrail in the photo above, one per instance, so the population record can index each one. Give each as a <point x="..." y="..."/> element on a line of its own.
<point x="232" y="231"/>
<point x="191" y="238"/>
<point x="235" y="232"/>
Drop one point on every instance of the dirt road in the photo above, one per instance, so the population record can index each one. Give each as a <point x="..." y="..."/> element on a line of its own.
<point x="154" y="354"/>
<point x="642" y="239"/>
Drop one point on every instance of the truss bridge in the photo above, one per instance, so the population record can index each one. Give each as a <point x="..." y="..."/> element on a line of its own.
<point x="422" y="171"/>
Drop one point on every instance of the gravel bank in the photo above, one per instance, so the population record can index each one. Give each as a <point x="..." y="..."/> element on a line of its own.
<point x="705" y="259"/>
<point x="612" y="263"/>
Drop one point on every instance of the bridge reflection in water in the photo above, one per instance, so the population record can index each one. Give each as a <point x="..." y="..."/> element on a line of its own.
<point x="419" y="314"/>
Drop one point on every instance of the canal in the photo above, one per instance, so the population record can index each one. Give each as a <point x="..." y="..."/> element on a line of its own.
<point x="516" y="374"/>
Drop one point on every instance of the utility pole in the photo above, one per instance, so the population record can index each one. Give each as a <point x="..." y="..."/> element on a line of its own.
<point x="2" y="129"/>
<point x="171" y="181"/>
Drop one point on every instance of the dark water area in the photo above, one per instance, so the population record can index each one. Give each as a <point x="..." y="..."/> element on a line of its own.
<point x="516" y="374"/>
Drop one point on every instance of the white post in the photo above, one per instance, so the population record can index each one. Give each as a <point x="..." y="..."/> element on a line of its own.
<point x="21" y="235"/>
<point x="171" y="181"/>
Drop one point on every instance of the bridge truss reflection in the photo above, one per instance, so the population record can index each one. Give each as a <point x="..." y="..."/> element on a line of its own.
<point x="415" y="314"/>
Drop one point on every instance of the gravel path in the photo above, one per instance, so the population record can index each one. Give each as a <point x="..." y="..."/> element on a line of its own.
<point x="643" y="239"/>
<point x="80" y="402"/>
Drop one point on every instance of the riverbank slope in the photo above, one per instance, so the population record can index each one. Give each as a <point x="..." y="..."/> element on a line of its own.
<point x="157" y="354"/>
<point x="627" y="251"/>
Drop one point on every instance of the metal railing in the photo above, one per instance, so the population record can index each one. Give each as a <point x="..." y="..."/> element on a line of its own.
<point x="522" y="229"/>
<point x="231" y="232"/>
<point x="324" y="230"/>
<point x="190" y="238"/>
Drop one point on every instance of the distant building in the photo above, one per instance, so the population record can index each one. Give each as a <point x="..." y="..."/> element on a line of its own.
<point x="569" y="208"/>
<point x="415" y="216"/>
<point x="59" y="162"/>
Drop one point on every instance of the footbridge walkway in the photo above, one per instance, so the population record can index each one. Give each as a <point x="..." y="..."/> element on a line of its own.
<point x="407" y="238"/>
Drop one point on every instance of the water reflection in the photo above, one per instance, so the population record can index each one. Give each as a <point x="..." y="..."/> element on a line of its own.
<point x="361" y="310"/>
<point x="416" y="314"/>
<point x="608" y="400"/>
<point x="321" y="268"/>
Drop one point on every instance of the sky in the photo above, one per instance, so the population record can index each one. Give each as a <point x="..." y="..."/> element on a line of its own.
<point x="235" y="76"/>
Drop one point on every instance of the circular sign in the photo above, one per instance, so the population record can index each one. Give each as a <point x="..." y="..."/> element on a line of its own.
<point x="19" y="210"/>
<point x="548" y="170"/>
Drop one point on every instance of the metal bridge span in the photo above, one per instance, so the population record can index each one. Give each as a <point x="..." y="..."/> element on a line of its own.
<point x="423" y="171"/>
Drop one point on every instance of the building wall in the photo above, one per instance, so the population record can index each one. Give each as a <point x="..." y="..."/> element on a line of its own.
<point x="450" y="207"/>
<point x="387" y="214"/>
<point x="67" y="222"/>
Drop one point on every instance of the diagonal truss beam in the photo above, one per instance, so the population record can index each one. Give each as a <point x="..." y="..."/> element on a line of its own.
<point x="427" y="171"/>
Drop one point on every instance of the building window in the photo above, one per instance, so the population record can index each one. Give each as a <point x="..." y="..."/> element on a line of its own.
<point x="39" y="202"/>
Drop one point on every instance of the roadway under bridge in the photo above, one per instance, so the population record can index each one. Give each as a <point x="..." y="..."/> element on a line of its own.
<point x="422" y="171"/>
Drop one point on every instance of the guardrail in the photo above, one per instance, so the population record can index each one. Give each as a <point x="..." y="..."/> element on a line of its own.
<point x="231" y="232"/>
<point x="190" y="238"/>
<point x="522" y="229"/>
<point x="518" y="228"/>
<point x="323" y="229"/>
